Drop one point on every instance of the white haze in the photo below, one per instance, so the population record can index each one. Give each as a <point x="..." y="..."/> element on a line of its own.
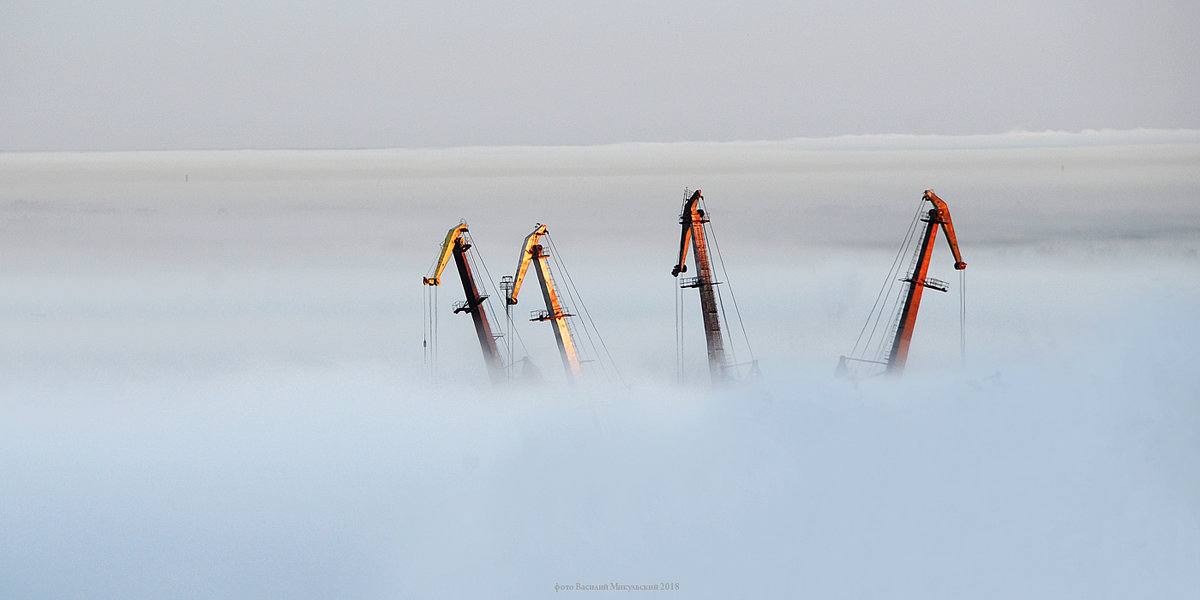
<point x="213" y="380"/>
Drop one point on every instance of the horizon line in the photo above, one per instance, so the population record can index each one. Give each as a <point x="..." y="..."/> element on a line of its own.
<point x="1017" y="138"/>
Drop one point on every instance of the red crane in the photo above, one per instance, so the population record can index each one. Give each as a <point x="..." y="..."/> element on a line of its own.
<point x="918" y="281"/>
<point x="692" y="219"/>
<point x="892" y="352"/>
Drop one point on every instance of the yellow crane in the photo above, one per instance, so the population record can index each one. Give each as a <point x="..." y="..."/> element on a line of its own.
<point x="456" y="245"/>
<point x="532" y="252"/>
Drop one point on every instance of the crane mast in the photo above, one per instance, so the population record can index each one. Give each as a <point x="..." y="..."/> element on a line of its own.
<point x="692" y="219"/>
<point x="532" y="252"/>
<point x="456" y="245"/>
<point x="939" y="215"/>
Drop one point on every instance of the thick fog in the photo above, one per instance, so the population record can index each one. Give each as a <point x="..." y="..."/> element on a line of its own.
<point x="215" y="386"/>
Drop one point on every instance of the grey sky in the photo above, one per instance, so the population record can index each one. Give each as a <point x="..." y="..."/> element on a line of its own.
<point x="363" y="73"/>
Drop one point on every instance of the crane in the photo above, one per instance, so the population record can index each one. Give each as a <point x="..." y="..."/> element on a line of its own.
<point x="692" y="219"/>
<point x="457" y="245"/>
<point x="533" y="252"/>
<point x="918" y="281"/>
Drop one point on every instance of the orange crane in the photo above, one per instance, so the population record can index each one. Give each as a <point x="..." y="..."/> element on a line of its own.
<point x="532" y="252"/>
<point x="457" y="245"/>
<point x="917" y="280"/>
<point x="692" y="219"/>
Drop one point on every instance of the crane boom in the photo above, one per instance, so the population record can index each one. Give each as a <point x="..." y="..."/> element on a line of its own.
<point x="524" y="260"/>
<point x="943" y="212"/>
<point x="690" y="207"/>
<point x="532" y="252"/>
<point x="939" y="215"/>
<point x="447" y="247"/>
<point x="456" y="245"/>
<point x="692" y="220"/>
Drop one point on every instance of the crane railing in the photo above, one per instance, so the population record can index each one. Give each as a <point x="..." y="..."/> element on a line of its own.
<point x="694" y="282"/>
<point x="546" y="315"/>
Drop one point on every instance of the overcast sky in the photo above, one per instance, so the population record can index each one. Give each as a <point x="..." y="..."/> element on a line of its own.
<point x="83" y="75"/>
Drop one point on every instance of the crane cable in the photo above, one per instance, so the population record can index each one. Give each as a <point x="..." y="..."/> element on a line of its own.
<point x="962" y="315"/>
<point x="571" y="295"/>
<point x="885" y="290"/>
<point x="429" y="325"/>
<point x="888" y="337"/>
<point x="434" y="320"/>
<point x="879" y="297"/>
<point x="678" y="331"/>
<point x="490" y="290"/>
<point x="587" y="322"/>
<point x="425" y="325"/>
<point x="725" y="273"/>
<point x="572" y="301"/>
<point x="508" y="332"/>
